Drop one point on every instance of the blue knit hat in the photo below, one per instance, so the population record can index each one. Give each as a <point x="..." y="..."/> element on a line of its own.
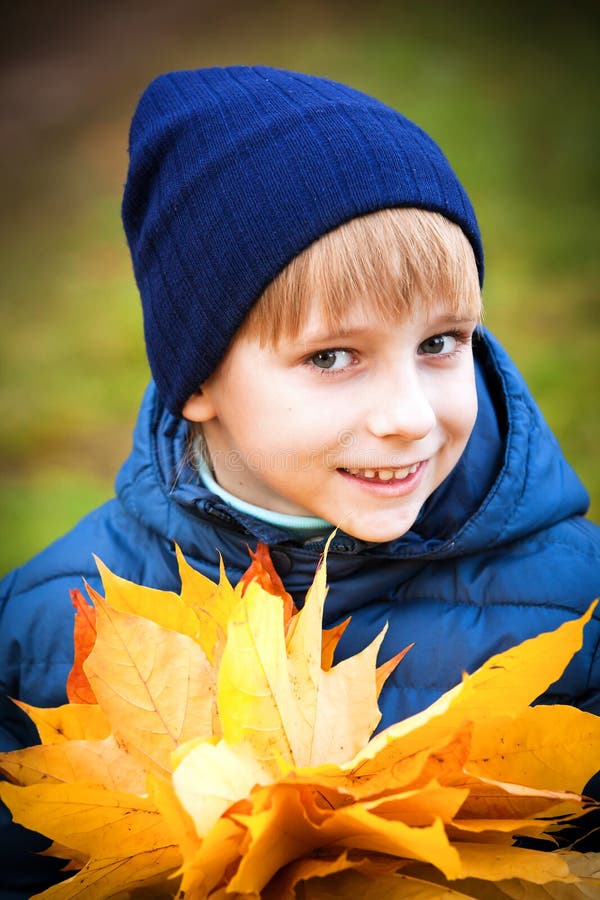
<point x="233" y="172"/>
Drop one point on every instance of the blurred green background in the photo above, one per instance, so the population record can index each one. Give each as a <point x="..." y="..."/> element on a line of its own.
<point x="509" y="90"/>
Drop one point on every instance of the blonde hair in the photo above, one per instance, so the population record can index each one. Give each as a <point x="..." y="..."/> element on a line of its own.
<point x="393" y="259"/>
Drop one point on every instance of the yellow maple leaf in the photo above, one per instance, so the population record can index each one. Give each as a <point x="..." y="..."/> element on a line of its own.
<point x="99" y="762"/>
<point x="154" y="684"/>
<point x="70" y="722"/>
<point x="212" y="605"/>
<point x="229" y="756"/>
<point x="165" y="608"/>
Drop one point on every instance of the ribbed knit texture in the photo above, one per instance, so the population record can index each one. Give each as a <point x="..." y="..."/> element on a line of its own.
<point x="233" y="172"/>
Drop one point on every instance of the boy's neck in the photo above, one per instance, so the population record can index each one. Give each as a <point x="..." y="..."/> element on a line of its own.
<point x="301" y="527"/>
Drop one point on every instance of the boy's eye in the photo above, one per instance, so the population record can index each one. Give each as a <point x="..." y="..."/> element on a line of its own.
<point x="331" y="359"/>
<point x="438" y="344"/>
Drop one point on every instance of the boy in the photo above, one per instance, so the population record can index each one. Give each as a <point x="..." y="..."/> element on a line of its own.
<point x="310" y="269"/>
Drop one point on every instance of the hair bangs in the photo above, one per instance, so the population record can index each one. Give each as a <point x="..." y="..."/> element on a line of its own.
<point x="393" y="260"/>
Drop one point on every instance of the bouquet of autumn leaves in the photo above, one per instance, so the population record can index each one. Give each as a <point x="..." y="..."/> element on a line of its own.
<point x="212" y="749"/>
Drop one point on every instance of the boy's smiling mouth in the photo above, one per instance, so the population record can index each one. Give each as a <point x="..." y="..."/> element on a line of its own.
<point x="386" y="481"/>
<point x="384" y="473"/>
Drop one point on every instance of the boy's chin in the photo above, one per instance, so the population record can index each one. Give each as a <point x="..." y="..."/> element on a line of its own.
<point x="376" y="533"/>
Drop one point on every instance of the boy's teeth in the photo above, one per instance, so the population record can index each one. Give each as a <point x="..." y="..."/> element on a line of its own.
<point x="404" y="473"/>
<point x="385" y="474"/>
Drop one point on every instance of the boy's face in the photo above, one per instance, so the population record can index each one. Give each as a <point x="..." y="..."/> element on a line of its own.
<point x="357" y="425"/>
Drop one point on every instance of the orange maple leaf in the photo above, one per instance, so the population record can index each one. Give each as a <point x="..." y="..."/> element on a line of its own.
<point x="263" y="572"/>
<point x="79" y="689"/>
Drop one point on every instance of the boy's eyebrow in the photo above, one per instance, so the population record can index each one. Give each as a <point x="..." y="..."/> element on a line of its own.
<point x="453" y="319"/>
<point x="316" y="337"/>
<point x="320" y="337"/>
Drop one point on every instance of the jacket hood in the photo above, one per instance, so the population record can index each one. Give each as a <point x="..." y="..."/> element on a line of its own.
<point x="512" y="480"/>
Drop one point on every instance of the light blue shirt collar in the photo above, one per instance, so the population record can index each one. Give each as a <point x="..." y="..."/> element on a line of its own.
<point x="298" y="526"/>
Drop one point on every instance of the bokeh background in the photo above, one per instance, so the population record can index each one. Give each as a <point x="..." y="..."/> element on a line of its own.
<point x="508" y="89"/>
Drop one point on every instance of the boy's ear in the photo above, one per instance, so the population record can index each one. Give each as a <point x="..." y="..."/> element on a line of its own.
<point x="199" y="407"/>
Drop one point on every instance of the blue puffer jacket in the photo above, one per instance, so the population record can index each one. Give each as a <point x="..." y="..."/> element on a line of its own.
<point x="499" y="553"/>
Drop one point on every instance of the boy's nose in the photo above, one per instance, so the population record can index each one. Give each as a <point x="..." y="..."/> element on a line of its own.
<point x="402" y="409"/>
